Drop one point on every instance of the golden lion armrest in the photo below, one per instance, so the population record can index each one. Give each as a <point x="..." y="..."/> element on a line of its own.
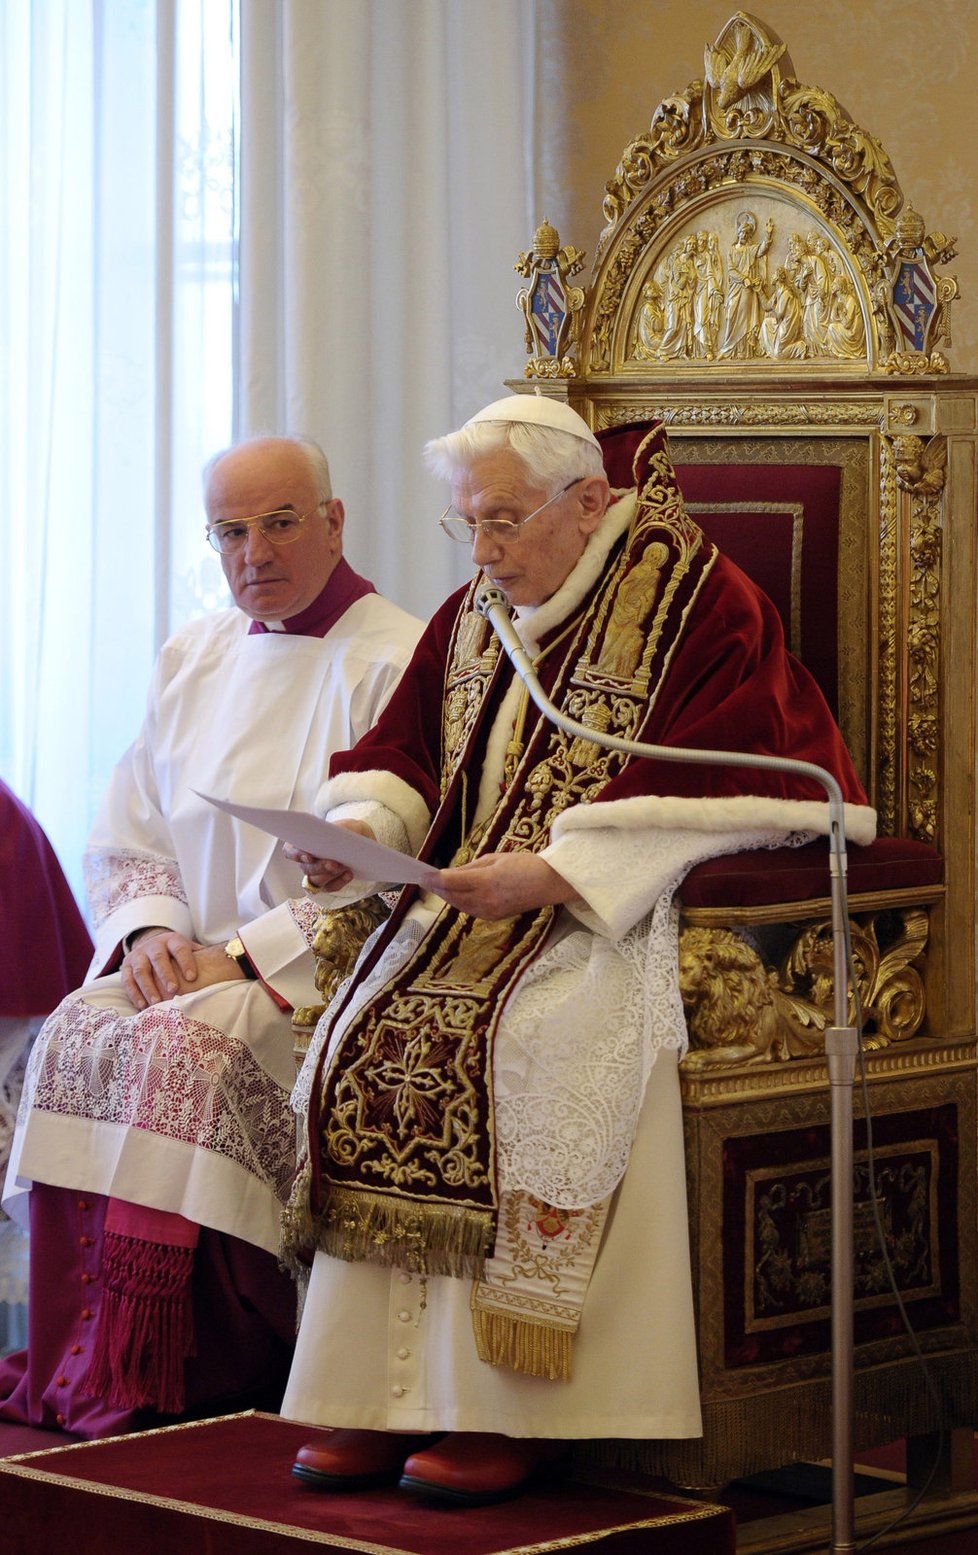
<point x="756" y="949"/>
<point x="340" y="936"/>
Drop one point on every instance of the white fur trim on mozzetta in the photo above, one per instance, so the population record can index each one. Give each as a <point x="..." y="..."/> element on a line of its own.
<point x="716" y="815"/>
<point x="387" y="789"/>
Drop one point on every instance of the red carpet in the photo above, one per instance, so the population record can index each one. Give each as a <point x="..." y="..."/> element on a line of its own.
<point x="225" y="1486"/>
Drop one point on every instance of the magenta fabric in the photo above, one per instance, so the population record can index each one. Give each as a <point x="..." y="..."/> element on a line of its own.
<point x="145" y="1329"/>
<point x="342" y="589"/>
<point x="244" y="1316"/>
<point x="619" y="445"/>
<point x="45" y="947"/>
<point x="151" y="1225"/>
<point x="800" y="874"/>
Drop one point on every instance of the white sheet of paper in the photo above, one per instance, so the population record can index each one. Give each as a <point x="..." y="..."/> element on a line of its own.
<point x="369" y="860"/>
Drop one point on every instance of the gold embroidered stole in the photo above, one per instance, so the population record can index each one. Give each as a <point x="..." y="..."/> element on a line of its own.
<point x="527" y="1305"/>
<point x="405" y="1130"/>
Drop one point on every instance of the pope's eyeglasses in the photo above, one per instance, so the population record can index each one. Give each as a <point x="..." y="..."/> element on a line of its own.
<point x="458" y="527"/>
<point x="280" y="527"/>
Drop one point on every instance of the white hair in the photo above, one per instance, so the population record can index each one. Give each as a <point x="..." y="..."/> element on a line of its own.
<point x="307" y="446"/>
<point x="552" y="458"/>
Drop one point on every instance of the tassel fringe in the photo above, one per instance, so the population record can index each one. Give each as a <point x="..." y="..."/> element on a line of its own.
<point x="145" y="1329"/>
<point x="366" y="1227"/>
<point x="531" y="1348"/>
<point x="428" y="1239"/>
<point x="793" y="1423"/>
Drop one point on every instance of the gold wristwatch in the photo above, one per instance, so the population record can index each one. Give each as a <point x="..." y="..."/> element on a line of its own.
<point x="235" y="951"/>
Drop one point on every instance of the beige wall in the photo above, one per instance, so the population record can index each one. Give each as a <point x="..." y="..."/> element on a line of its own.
<point x="905" y="72"/>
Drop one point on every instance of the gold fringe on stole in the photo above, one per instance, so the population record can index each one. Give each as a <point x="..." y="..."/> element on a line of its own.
<point x="527" y="1306"/>
<point x="532" y="1348"/>
<point x="401" y="1233"/>
<point x="297" y="1240"/>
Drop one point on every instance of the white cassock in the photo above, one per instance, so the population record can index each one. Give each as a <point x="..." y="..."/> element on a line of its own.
<point x="585" y="1073"/>
<point x="184" y="1107"/>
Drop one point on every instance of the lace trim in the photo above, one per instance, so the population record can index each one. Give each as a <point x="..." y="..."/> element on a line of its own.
<point x="176" y="1077"/>
<point x="583" y="1028"/>
<point x="585" y="1025"/>
<point x="305" y="915"/>
<point x="408" y="937"/>
<point x="16" y="1035"/>
<point x="114" y="877"/>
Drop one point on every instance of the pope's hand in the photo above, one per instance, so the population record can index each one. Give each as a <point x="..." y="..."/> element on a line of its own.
<point x="326" y="874"/>
<point x="500" y="885"/>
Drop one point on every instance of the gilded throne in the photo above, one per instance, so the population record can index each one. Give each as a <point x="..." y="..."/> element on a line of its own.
<point x="763" y="287"/>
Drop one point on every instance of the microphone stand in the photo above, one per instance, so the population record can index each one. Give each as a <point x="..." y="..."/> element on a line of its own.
<point x="840" y="1041"/>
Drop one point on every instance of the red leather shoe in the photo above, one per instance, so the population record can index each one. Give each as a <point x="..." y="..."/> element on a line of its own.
<point x="354" y="1459"/>
<point x="477" y="1468"/>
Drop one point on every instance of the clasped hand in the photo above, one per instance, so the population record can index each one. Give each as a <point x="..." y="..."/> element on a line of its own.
<point x="163" y="963"/>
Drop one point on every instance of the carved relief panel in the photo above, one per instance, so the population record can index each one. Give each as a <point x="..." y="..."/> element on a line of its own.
<point x="747" y="285"/>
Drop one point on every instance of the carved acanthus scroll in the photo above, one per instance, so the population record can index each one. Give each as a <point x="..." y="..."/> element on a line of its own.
<point x="740" y="1010"/>
<point x="921" y="472"/>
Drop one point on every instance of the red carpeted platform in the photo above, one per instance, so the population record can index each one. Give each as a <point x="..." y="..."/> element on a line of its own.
<point x="225" y="1487"/>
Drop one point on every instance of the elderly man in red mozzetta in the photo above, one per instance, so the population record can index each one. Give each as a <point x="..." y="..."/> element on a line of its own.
<point x="493" y="1203"/>
<point x="155" y="1134"/>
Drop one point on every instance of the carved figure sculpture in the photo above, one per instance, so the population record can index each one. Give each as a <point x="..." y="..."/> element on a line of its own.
<point x="746" y="282"/>
<point x="782" y="332"/>
<point x="650" y="321"/>
<point x="708" y="301"/>
<point x="677" y="336"/>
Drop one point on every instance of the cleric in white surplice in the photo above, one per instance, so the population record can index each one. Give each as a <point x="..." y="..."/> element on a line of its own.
<point x="155" y="1127"/>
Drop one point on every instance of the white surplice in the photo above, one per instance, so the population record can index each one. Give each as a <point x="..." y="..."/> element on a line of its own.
<point x="184" y="1107"/>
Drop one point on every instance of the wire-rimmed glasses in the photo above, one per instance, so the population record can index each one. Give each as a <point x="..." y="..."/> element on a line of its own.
<point x="280" y="527"/>
<point x="458" y="527"/>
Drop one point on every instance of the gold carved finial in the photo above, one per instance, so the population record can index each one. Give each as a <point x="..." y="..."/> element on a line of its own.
<point x="909" y="229"/>
<point x="546" y="241"/>
<point x="551" y="307"/>
<point x="740" y="61"/>
<point x="918" y="300"/>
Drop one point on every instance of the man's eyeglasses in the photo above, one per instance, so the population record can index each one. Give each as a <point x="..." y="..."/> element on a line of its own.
<point x="280" y="528"/>
<point x="457" y="527"/>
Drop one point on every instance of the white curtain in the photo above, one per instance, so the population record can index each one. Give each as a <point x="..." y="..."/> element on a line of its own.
<point x="116" y="255"/>
<point x="355" y="281"/>
<point x="385" y="150"/>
